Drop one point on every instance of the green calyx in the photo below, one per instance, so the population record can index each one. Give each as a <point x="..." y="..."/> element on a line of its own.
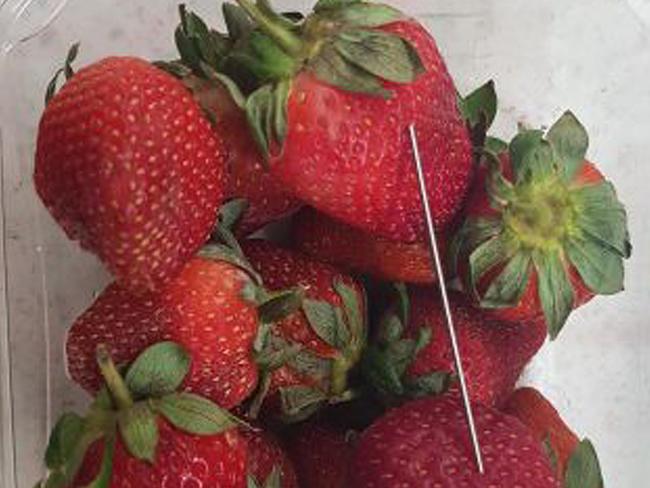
<point x="66" y="70"/>
<point x="387" y="359"/>
<point x="342" y="328"/>
<point x="549" y="222"/>
<point x="479" y="109"/>
<point x="263" y="50"/>
<point x="583" y="469"/>
<point x="130" y="407"/>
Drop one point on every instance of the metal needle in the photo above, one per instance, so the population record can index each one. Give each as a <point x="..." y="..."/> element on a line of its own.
<point x="435" y="255"/>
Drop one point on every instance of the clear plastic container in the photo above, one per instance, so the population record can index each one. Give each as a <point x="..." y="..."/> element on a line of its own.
<point x="592" y="56"/>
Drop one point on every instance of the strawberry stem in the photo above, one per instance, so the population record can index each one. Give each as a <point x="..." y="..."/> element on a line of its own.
<point x="114" y="381"/>
<point x="286" y="39"/>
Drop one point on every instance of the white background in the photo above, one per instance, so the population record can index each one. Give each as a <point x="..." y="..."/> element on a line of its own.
<point x="592" y="56"/>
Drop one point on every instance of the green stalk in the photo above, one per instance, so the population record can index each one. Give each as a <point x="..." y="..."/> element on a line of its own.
<point x="286" y="39"/>
<point x="114" y="381"/>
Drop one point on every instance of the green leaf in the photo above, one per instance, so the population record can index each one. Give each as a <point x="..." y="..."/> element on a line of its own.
<point x="322" y="319"/>
<point x="158" y="371"/>
<point x="488" y="255"/>
<point x="401" y="354"/>
<point x="425" y="334"/>
<point x="354" y="314"/>
<point x="232" y="212"/>
<point x="279" y="19"/>
<point x="480" y="106"/>
<point x="495" y="145"/>
<point x="381" y="373"/>
<point x="382" y="54"/>
<point x="434" y="383"/>
<point x="599" y="267"/>
<point x="194" y="414"/>
<point x="583" y="469"/>
<point x="600" y="215"/>
<point x="403" y="301"/>
<point x="63" y="440"/>
<point x="570" y="142"/>
<point x="238" y="23"/>
<point x="70" y="58"/>
<point x="103" y="479"/>
<point x="274" y="479"/>
<point x="281" y="305"/>
<point x="555" y="290"/>
<point x="331" y="67"/>
<point x="139" y="430"/>
<point x="228" y="83"/>
<point x="276" y="353"/>
<point x="391" y="328"/>
<point x="266" y="110"/>
<point x="473" y="233"/>
<point x="234" y="256"/>
<point x="507" y="289"/>
<point x="367" y="15"/>
<point x="332" y="4"/>
<point x="536" y="163"/>
<point x="298" y="401"/>
<point x="251" y="482"/>
<point x="520" y="147"/>
<point x="310" y="365"/>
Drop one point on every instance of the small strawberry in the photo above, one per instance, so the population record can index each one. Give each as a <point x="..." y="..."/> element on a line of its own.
<point x="576" y="461"/>
<point x="140" y="432"/>
<point x="412" y="356"/>
<point x="268" y="464"/>
<point x="544" y="230"/>
<point x="329" y="99"/>
<point x="129" y="167"/>
<point x="208" y="309"/>
<point x="318" y="344"/>
<point x="334" y="242"/>
<point x="321" y="455"/>
<point x="267" y="199"/>
<point x="426" y="443"/>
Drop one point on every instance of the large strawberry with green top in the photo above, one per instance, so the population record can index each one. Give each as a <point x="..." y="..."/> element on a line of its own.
<point x="329" y="100"/>
<point x="575" y="461"/>
<point x="544" y="230"/>
<point x="307" y="356"/>
<point x="128" y="165"/>
<point x="210" y="309"/>
<point x="141" y="432"/>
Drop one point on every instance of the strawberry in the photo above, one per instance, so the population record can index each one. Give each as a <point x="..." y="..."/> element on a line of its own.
<point x="318" y="343"/>
<point x="267" y="461"/>
<point x="569" y="455"/>
<point x="321" y="455"/>
<point x="412" y="355"/>
<point x="207" y="309"/>
<point x="129" y="167"/>
<point x="334" y="242"/>
<point x="248" y="179"/>
<point x="544" y="230"/>
<point x="140" y="432"/>
<point x="426" y="443"/>
<point x="329" y="100"/>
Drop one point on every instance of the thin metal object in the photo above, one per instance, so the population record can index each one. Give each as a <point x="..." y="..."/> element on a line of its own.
<point x="435" y="254"/>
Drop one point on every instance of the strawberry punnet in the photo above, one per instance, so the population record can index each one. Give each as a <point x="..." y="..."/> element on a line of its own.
<point x="308" y="355"/>
<point x="411" y="355"/>
<point x="544" y="230"/>
<point x="141" y="432"/>
<point x="128" y="166"/>
<point x="575" y="461"/>
<point x="425" y="443"/>
<point x="329" y="99"/>
<point x="207" y="309"/>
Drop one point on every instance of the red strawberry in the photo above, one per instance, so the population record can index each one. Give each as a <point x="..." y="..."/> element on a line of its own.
<point x="567" y="452"/>
<point x="334" y="242"/>
<point x="139" y="432"/>
<point x="321" y="455"/>
<point x="544" y="230"/>
<point x="417" y="359"/>
<point x="130" y="168"/>
<point x="267" y="459"/>
<point x="205" y="309"/>
<point x="326" y="334"/>
<point x="248" y="178"/>
<point x="426" y="443"/>
<point x="330" y="100"/>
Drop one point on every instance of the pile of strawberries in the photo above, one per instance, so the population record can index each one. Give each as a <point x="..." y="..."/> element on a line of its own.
<point x="231" y="353"/>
